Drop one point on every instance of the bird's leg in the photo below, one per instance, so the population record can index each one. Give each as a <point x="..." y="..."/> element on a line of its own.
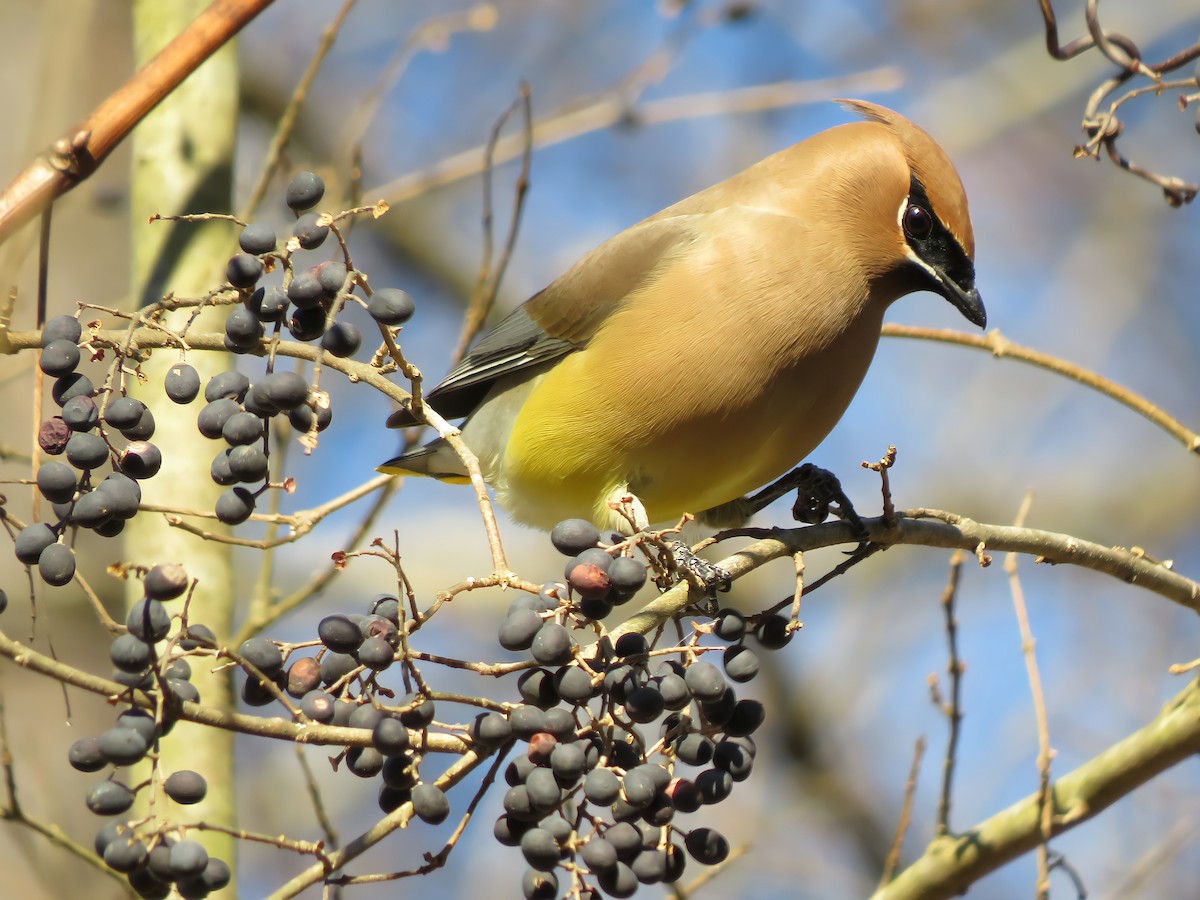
<point x="679" y="563"/>
<point x="701" y="572"/>
<point x="818" y="493"/>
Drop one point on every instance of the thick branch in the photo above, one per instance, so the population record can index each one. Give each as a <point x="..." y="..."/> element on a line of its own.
<point x="953" y="863"/>
<point x="929" y="528"/>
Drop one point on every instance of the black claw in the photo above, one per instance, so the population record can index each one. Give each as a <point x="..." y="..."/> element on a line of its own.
<point x="816" y="490"/>
<point x="818" y="493"/>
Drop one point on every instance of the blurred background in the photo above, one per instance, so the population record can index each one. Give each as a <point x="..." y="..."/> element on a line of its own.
<point x="1074" y="257"/>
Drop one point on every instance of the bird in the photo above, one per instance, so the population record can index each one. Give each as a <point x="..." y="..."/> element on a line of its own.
<point x="708" y="349"/>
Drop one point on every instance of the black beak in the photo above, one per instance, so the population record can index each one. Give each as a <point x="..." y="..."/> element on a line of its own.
<point x="966" y="302"/>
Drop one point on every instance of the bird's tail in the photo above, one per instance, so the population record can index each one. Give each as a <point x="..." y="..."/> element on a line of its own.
<point x="433" y="460"/>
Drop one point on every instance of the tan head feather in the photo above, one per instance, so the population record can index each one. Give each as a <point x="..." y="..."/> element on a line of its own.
<point x="930" y="165"/>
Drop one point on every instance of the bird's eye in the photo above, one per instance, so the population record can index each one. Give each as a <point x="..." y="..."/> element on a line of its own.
<point x="918" y="223"/>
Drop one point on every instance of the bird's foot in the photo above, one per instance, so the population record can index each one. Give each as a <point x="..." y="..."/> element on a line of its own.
<point x="818" y="495"/>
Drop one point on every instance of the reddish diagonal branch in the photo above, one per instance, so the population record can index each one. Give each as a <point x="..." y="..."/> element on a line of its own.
<point x="76" y="155"/>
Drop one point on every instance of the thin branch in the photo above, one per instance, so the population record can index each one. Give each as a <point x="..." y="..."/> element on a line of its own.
<point x="928" y="528"/>
<point x="1183" y="833"/>
<point x="304" y="848"/>
<point x="318" y="804"/>
<point x="886" y="462"/>
<point x="12" y="811"/>
<point x="611" y="108"/>
<point x="261" y="617"/>
<point x="394" y="820"/>
<point x="910" y="789"/>
<point x="1001" y="347"/>
<point x="273" y="727"/>
<point x="798" y="593"/>
<point x="1045" y="754"/>
<point x="953" y="709"/>
<point x="710" y="872"/>
<point x="434" y="861"/>
<point x="1104" y="129"/>
<point x="287" y="121"/>
<point x="39" y="380"/>
<point x="431" y="35"/>
<point x="1062" y="864"/>
<point x="299" y="523"/>
<point x="487" y="284"/>
<point x="857" y="555"/>
<point x="110" y="625"/>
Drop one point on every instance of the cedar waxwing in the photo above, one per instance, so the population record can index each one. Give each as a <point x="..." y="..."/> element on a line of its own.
<point x="708" y="349"/>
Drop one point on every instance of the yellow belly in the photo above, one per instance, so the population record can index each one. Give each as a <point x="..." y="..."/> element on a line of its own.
<point x="683" y="444"/>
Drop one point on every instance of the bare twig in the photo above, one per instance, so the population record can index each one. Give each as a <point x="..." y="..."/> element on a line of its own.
<point x="318" y="804"/>
<point x="710" y="872"/>
<point x="39" y="381"/>
<point x="910" y="789"/>
<point x="882" y="467"/>
<point x="110" y="624"/>
<point x="260" y="616"/>
<point x="431" y="35"/>
<point x="798" y="564"/>
<point x="299" y="523"/>
<point x="437" y="860"/>
<point x="858" y="555"/>
<point x="1059" y="862"/>
<point x="276" y="728"/>
<point x="1045" y="753"/>
<point x="304" y="848"/>
<point x="612" y="107"/>
<point x="1104" y="128"/>
<point x="1182" y="834"/>
<point x="12" y="811"/>
<point x="952" y="709"/>
<point x="287" y="121"/>
<point x="1001" y="347"/>
<point x="487" y="284"/>
<point x="1184" y="668"/>
<point x="398" y="818"/>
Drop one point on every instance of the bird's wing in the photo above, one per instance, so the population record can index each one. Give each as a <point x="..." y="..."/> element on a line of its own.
<point x="561" y="318"/>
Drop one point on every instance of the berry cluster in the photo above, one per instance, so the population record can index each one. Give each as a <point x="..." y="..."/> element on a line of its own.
<point x="619" y="738"/>
<point x="596" y="795"/>
<point x="103" y="427"/>
<point x="308" y="300"/>
<point x="153" y="860"/>
<point x="86" y="433"/>
<point x="240" y="412"/>
<point x="339" y="686"/>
